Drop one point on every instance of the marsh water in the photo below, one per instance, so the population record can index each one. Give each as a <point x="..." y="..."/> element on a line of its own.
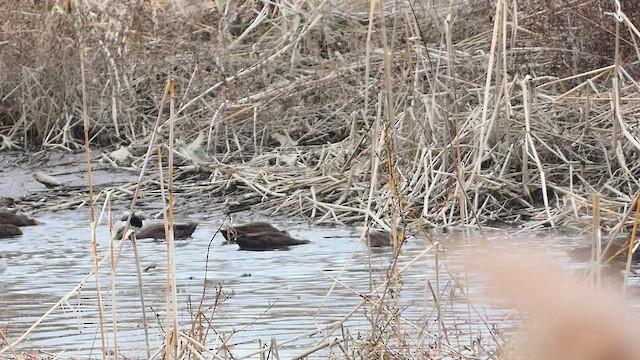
<point x="266" y="295"/>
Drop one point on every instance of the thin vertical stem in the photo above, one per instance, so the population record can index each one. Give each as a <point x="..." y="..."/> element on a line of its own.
<point x="114" y="318"/>
<point x="170" y="238"/>
<point x="597" y="238"/>
<point x="92" y="210"/>
<point x="633" y="243"/>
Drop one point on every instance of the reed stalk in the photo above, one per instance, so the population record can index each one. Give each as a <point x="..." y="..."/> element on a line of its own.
<point x="114" y="303"/>
<point x="92" y="211"/>
<point x="423" y="108"/>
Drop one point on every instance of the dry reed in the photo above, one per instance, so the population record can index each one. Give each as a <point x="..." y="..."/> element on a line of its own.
<point x="471" y="147"/>
<point x="382" y="114"/>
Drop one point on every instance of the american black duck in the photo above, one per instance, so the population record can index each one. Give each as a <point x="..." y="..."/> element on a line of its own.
<point x="614" y="253"/>
<point x="268" y="240"/>
<point x="156" y="231"/>
<point x="16" y="218"/>
<point x="231" y="232"/>
<point x="9" y="230"/>
<point x="135" y="223"/>
<point x="614" y="258"/>
<point x="136" y="219"/>
<point x="381" y="238"/>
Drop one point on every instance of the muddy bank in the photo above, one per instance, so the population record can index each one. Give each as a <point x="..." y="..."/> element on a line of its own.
<point x="17" y="170"/>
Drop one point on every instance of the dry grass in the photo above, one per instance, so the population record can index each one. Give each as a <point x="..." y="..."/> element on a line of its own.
<point x="313" y="90"/>
<point x="424" y="113"/>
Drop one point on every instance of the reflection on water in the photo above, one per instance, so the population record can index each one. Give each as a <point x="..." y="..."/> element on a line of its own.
<point x="265" y="295"/>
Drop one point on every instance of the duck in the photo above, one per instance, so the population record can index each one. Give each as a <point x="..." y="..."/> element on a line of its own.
<point x="267" y="240"/>
<point x="613" y="259"/>
<point x="16" y="218"/>
<point x="9" y="230"/>
<point x="135" y="222"/>
<point x="156" y="231"/>
<point x="136" y="219"/>
<point x="232" y="232"/>
<point x="381" y="238"/>
<point x="617" y="252"/>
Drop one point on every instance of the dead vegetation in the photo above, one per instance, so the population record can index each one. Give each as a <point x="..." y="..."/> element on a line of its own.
<point x="436" y="114"/>
<point x="300" y="106"/>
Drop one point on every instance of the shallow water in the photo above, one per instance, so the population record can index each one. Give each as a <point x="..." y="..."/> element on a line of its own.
<point x="271" y="294"/>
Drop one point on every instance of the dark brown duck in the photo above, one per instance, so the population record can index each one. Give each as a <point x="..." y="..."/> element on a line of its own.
<point x="381" y="238"/>
<point x="232" y="232"/>
<point x="135" y="223"/>
<point x="9" y="230"/>
<point x="613" y="258"/>
<point x="136" y="219"/>
<point x="616" y="252"/>
<point x="378" y="238"/>
<point x="156" y="231"/>
<point x="17" y="219"/>
<point x="270" y="240"/>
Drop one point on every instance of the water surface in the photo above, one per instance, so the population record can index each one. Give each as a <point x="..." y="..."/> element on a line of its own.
<point x="264" y="295"/>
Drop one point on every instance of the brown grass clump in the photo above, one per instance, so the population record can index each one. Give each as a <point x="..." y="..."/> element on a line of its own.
<point x="579" y="35"/>
<point x="325" y="110"/>
<point x="430" y="112"/>
<point x="133" y="47"/>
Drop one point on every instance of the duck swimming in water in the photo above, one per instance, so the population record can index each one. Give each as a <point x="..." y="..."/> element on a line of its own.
<point x="378" y="238"/>
<point x="232" y="232"/>
<point x="16" y="218"/>
<point x="269" y="240"/>
<point x="382" y="238"/>
<point x="617" y="252"/>
<point x="136" y="219"/>
<point x="614" y="258"/>
<point x="135" y="223"/>
<point x="156" y="231"/>
<point x="9" y="230"/>
<point x="153" y="231"/>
